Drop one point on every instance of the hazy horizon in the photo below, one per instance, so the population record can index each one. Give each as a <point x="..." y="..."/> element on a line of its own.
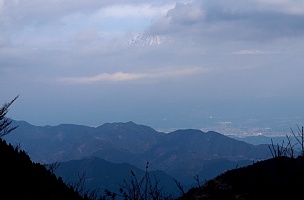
<point x="232" y="64"/>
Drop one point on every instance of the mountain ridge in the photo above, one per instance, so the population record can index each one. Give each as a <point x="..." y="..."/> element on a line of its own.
<point x="181" y="153"/>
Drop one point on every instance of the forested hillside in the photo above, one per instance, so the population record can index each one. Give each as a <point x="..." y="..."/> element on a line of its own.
<point x="23" y="179"/>
<point x="276" y="178"/>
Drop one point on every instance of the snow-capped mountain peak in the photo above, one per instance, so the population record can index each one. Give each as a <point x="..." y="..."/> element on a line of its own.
<point x="144" y="40"/>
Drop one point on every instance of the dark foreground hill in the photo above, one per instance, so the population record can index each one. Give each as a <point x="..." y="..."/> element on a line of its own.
<point x="20" y="178"/>
<point x="276" y="178"/>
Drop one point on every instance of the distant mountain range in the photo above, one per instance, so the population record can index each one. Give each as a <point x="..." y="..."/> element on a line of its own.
<point x="220" y="167"/>
<point x="181" y="154"/>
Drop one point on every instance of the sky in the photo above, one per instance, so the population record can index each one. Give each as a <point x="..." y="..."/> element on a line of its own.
<point x="219" y="63"/>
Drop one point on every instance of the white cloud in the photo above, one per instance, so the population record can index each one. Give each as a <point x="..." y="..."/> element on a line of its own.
<point x="248" y="20"/>
<point x="252" y="52"/>
<point x="186" y="13"/>
<point x="123" y="76"/>
<point x="137" y="10"/>
<point x="118" y="76"/>
<point x="44" y="24"/>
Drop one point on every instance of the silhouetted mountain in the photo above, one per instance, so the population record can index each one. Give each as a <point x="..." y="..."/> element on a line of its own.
<point x="48" y="144"/>
<point x="23" y="179"/>
<point x="181" y="154"/>
<point x="188" y="151"/>
<point x="276" y="178"/>
<point x="100" y="174"/>
<point x="125" y="135"/>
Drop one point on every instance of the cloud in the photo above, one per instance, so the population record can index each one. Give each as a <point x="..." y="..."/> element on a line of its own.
<point x="183" y="15"/>
<point x="186" y="13"/>
<point x="137" y="10"/>
<point x="44" y="24"/>
<point x="118" y="76"/>
<point x="251" y="20"/>
<point x="251" y="48"/>
<point x="123" y="76"/>
<point x="287" y="6"/>
<point x="252" y="52"/>
<point x="36" y="12"/>
<point x="49" y="24"/>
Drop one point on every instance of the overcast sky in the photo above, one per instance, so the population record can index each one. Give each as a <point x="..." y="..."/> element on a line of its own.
<point x="71" y="61"/>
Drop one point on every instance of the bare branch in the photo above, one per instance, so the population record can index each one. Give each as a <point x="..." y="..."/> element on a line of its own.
<point x="4" y="121"/>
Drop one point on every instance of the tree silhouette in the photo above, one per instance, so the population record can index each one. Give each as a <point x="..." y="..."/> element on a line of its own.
<point x="4" y="121"/>
<point x="143" y="188"/>
<point x="23" y="179"/>
<point x="300" y="138"/>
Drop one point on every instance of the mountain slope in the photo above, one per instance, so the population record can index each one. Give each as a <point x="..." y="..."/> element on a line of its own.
<point x="125" y="135"/>
<point x="181" y="154"/>
<point x="100" y="174"/>
<point x="189" y="150"/>
<point x="276" y="178"/>
<point x="48" y="144"/>
<point x="23" y="179"/>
